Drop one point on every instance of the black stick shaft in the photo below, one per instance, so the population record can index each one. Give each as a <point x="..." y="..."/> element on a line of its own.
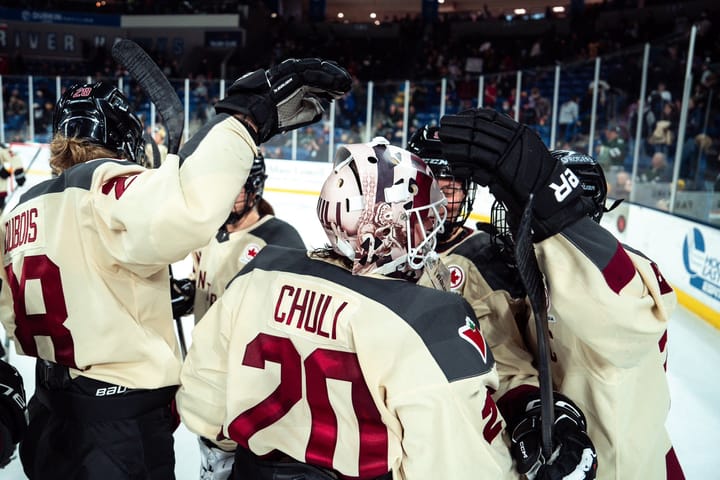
<point x="535" y="286"/>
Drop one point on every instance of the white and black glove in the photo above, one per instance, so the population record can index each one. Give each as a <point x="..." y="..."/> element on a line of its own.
<point x="182" y="296"/>
<point x="19" y="175"/>
<point x="573" y="455"/>
<point x="13" y="411"/>
<point x="287" y="96"/>
<point x="513" y="162"/>
<point x="215" y="463"/>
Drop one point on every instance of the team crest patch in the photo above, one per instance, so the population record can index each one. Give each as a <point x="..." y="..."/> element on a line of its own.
<point x="457" y="277"/>
<point x="471" y="334"/>
<point x="250" y="251"/>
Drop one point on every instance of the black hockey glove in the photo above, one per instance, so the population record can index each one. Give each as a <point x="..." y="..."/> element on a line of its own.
<point x="513" y="162"/>
<point x="19" y="176"/>
<point x="286" y="96"/>
<point x="573" y="453"/>
<point x="182" y="295"/>
<point x="13" y="418"/>
<point x="4" y="173"/>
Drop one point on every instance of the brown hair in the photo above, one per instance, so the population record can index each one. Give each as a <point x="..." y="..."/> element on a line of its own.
<point x="264" y="208"/>
<point x="66" y="152"/>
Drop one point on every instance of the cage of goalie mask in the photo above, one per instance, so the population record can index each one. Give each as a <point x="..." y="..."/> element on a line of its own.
<point x="100" y="113"/>
<point x="381" y="208"/>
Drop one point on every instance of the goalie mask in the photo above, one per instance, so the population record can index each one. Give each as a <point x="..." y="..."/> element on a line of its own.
<point x="591" y="176"/>
<point x="381" y="208"/>
<point x="460" y="192"/>
<point x="100" y="114"/>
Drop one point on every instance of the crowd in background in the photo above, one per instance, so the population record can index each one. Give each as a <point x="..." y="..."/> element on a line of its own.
<point x="424" y="53"/>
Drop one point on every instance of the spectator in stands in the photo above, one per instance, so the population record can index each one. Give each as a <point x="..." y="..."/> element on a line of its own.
<point x="158" y="135"/>
<point x="622" y="186"/>
<point x="659" y="171"/>
<point x="693" y="161"/>
<point x="664" y="132"/>
<point x="16" y="112"/>
<point x="569" y="118"/>
<point x="613" y="149"/>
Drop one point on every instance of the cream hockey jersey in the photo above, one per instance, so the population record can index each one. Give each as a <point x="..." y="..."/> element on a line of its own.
<point x="227" y="253"/>
<point x="11" y="162"/>
<point x="609" y="308"/>
<point x="85" y="280"/>
<point x="360" y="374"/>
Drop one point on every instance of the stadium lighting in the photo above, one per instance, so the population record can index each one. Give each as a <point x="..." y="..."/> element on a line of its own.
<point x="341" y="15"/>
<point x="558" y="9"/>
<point x="519" y="11"/>
<point x="441" y="1"/>
<point x="373" y="15"/>
<point x="377" y="22"/>
<point x="273" y="15"/>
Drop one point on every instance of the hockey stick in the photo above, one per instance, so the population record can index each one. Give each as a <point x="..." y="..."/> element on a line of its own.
<point x="158" y="89"/>
<point x="532" y="278"/>
<point x="155" y="85"/>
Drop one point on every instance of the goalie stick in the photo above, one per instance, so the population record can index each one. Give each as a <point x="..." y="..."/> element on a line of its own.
<point x="532" y="278"/>
<point x="158" y="89"/>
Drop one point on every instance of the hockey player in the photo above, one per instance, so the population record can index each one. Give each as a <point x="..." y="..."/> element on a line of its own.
<point x="604" y="345"/>
<point x="13" y="413"/>
<point x="10" y="164"/>
<point x="85" y="286"/>
<point x="332" y="364"/>
<point x="482" y="271"/>
<point x="250" y="227"/>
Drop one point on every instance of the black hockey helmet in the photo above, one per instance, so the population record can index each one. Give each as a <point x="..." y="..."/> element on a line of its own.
<point x="254" y="188"/>
<point x="591" y="176"/>
<point x="100" y="113"/>
<point x="426" y="144"/>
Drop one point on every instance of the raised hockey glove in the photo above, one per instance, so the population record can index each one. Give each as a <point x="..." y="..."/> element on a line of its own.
<point x="286" y="96"/>
<point x="19" y="176"/>
<point x="4" y="173"/>
<point x="182" y="296"/>
<point x="573" y="453"/>
<point x="13" y="411"/>
<point x="513" y="162"/>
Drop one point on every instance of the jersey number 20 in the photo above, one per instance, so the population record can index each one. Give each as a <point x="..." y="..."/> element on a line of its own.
<point x="319" y="366"/>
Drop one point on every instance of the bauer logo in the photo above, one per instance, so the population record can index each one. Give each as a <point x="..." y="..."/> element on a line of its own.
<point x="704" y="269"/>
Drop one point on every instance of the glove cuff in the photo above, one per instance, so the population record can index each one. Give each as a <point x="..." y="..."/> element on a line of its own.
<point x="258" y="107"/>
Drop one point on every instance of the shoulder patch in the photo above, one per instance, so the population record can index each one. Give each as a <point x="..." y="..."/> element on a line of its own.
<point x="457" y="277"/>
<point x="249" y="252"/>
<point x="471" y="334"/>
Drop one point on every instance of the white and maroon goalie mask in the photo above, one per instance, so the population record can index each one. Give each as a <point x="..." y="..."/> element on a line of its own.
<point x="381" y="208"/>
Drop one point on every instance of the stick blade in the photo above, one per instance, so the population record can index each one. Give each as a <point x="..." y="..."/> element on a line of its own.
<point x="155" y="85"/>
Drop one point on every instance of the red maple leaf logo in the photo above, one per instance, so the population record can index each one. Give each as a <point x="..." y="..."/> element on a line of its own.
<point x="252" y="252"/>
<point x="457" y="276"/>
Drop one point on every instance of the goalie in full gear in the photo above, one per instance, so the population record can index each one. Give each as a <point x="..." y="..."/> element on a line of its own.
<point x="348" y="323"/>
<point x="95" y="243"/>
<point x="608" y="346"/>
